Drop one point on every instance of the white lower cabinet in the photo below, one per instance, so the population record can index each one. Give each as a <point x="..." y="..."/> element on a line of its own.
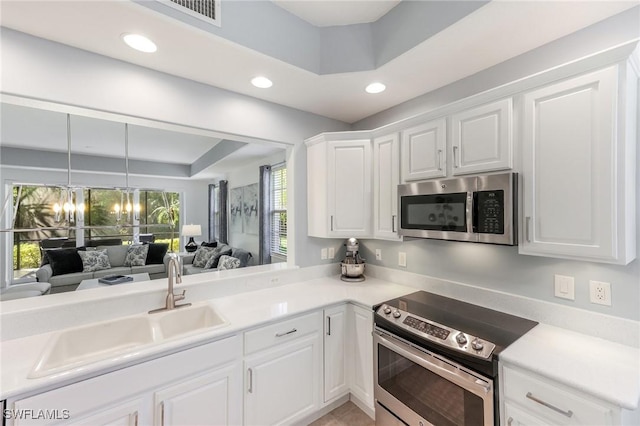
<point x="283" y="369"/>
<point x="203" y="400"/>
<point x="530" y="399"/>
<point x="336" y="382"/>
<point x="191" y="386"/>
<point x="361" y="354"/>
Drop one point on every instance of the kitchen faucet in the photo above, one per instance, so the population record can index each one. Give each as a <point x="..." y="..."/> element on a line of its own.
<point x="173" y="272"/>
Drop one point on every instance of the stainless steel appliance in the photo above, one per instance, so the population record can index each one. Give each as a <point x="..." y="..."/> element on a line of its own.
<point x="436" y="360"/>
<point x="352" y="266"/>
<point x="478" y="209"/>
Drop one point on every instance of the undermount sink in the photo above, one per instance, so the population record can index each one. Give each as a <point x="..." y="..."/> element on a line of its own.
<point x="79" y="346"/>
<point x="189" y="319"/>
<point x="83" y="345"/>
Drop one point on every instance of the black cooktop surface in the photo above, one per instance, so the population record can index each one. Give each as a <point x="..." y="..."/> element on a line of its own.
<point x="492" y="326"/>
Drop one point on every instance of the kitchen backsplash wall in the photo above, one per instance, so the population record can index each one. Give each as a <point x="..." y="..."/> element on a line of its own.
<point x="501" y="268"/>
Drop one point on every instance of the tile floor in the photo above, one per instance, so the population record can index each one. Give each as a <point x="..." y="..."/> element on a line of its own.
<point x="347" y="414"/>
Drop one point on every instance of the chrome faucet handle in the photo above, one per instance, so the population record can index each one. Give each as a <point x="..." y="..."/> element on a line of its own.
<point x="177" y="297"/>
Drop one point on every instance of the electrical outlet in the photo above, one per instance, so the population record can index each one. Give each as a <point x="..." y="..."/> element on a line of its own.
<point x="323" y="254"/>
<point x="378" y="254"/>
<point x="332" y="252"/>
<point x="600" y="292"/>
<point x="402" y="259"/>
<point x="564" y="287"/>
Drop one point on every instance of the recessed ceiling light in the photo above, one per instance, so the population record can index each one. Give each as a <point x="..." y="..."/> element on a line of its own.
<point x="262" y="82"/>
<point x="375" y="88"/>
<point x="139" y="42"/>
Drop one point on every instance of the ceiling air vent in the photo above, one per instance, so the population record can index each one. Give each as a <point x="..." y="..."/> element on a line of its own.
<point x="206" y="10"/>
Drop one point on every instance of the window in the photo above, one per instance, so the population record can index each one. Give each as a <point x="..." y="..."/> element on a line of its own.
<point x="38" y="224"/>
<point x="279" y="211"/>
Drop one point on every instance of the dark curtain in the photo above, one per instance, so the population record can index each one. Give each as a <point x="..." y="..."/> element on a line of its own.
<point x="213" y="206"/>
<point x="223" y="197"/>
<point x="264" y="219"/>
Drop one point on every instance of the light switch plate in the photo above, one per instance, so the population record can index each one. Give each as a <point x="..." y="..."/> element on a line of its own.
<point x="564" y="287"/>
<point x="378" y="254"/>
<point x="402" y="259"/>
<point x="332" y="252"/>
<point x="323" y="254"/>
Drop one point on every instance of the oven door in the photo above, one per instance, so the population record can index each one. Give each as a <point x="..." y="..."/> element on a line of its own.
<point x="421" y="388"/>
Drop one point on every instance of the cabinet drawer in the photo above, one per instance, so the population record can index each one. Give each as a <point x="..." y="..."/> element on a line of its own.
<point x="283" y="331"/>
<point x="545" y="399"/>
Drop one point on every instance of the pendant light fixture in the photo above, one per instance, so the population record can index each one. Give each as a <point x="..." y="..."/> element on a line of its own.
<point x="125" y="205"/>
<point x="72" y="211"/>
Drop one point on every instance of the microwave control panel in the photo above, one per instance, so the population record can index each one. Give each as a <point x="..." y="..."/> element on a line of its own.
<point x="490" y="212"/>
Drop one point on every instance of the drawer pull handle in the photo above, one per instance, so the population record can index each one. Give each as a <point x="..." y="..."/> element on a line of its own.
<point x="510" y="421"/>
<point x="135" y="418"/>
<point x="250" y="378"/>
<point x="328" y="326"/>
<point x="439" y="159"/>
<point x="527" y="228"/>
<point x="568" y="413"/>
<point x="286" y="332"/>
<point x="162" y="413"/>
<point x="455" y="163"/>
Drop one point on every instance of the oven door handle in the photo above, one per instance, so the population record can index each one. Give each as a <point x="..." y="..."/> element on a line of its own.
<point x="476" y="384"/>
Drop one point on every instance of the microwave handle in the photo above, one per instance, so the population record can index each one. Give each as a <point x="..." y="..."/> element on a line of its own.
<point x="474" y="212"/>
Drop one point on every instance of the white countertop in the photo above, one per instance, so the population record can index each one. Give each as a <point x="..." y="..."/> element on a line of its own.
<point x="605" y="369"/>
<point x="242" y="311"/>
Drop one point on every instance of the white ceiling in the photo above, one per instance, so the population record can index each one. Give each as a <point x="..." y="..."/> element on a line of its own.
<point x="343" y="12"/>
<point x="494" y="33"/>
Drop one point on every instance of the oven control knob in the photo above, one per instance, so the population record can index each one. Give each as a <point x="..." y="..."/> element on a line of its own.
<point x="477" y="344"/>
<point x="461" y="339"/>
<point x="396" y="314"/>
<point x="386" y="310"/>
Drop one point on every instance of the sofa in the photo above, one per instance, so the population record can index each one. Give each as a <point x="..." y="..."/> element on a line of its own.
<point x="218" y="257"/>
<point x="61" y="269"/>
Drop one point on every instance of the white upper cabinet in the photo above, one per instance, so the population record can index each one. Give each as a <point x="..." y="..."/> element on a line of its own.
<point x="423" y="151"/>
<point x="339" y="187"/>
<point x="386" y="177"/>
<point x="579" y="167"/>
<point x="481" y="138"/>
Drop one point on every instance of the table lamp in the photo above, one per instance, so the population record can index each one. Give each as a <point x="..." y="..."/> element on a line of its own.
<point x="191" y="231"/>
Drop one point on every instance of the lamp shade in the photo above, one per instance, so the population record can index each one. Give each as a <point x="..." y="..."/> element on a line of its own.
<point x="191" y="230"/>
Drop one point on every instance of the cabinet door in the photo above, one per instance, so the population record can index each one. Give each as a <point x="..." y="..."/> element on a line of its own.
<point x="481" y="138"/>
<point x="569" y="168"/>
<point x="423" y="151"/>
<point x="129" y="413"/>
<point x="283" y="383"/>
<point x="214" y="398"/>
<point x="386" y="177"/>
<point x="335" y="359"/>
<point x="349" y="188"/>
<point x="361" y="360"/>
<point x="516" y="417"/>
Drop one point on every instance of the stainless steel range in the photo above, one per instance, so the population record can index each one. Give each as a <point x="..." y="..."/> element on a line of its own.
<point x="436" y="360"/>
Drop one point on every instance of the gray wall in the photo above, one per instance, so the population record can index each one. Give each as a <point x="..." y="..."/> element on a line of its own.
<point x="502" y="268"/>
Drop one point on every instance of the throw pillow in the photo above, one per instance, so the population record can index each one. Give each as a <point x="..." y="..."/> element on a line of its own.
<point x="94" y="260"/>
<point x="202" y="256"/>
<point x="212" y="244"/>
<point x="228" y="262"/>
<point x="155" y="255"/>
<point x="117" y="254"/>
<point x="215" y="258"/>
<point x="242" y="255"/>
<point x="136" y="255"/>
<point x="64" y="261"/>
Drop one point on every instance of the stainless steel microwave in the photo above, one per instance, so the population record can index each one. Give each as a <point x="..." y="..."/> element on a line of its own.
<point x="479" y="209"/>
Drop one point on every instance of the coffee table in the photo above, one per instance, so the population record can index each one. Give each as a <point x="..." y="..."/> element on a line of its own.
<point x="94" y="283"/>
